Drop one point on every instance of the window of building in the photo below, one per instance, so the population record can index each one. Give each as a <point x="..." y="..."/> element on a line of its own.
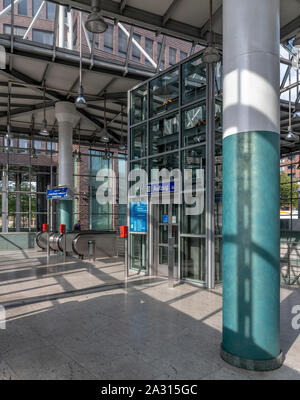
<point x="183" y="55"/>
<point x="136" y="54"/>
<point x="122" y="43"/>
<point x="35" y="6"/>
<point x="6" y="3"/>
<point x="162" y="63"/>
<point x="50" y="10"/>
<point x="23" y="144"/>
<point x="19" y="31"/>
<point x="23" y="7"/>
<point x="149" y="49"/>
<point x="172" y="56"/>
<point x="109" y="39"/>
<point x="44" y="37"/>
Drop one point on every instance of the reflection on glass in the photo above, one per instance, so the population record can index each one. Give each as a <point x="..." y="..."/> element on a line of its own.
<point x="163" y="255"/>
<point x="193" y="80"/>
<point x="194" y="159"/>
<point x="164" y="93"/>
<point x="164" y="134"/>
<point x="193" y="259"/>
<point x="138" y="138"/>
<point x="194" y="125"/>
<point x="163" y="233"/>
<point x="139" y="105"/>
<point x="138" y="255"/>
<point x="218" y="260"/>
<point x="218" y="122"/>
<point x="168" y="161"/>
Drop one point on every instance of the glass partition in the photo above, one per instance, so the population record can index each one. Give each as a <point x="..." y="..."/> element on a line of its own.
<point x="193" y="80"/>
<point x="138" y="108"/>
<point x="164" y="134"/>
<point x="194" y="125"/>
<point x="139" y="142"/>
<point x="174" y="133"/>
<point x="164" y="93"/>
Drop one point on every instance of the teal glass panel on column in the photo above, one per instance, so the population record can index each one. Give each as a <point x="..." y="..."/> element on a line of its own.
<point x="65" y="214"/>
<point x="251" y="240"/>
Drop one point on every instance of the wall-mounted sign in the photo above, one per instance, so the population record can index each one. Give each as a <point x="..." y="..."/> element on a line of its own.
<point x="161" y="187"/>
<point x="58" y="193"/>
<point x="165" y="219"/>
<point x="138" y="217"/>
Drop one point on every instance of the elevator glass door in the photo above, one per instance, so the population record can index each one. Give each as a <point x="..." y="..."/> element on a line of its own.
<point x="166" y="227"/>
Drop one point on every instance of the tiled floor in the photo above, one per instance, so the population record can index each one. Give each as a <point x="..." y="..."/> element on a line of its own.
<point x="144" y="330"/>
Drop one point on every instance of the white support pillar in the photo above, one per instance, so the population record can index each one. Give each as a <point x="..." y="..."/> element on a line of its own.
<point x="67" y="118"/>
<point x="61" y="26"/>
<point x="70" y="30"/>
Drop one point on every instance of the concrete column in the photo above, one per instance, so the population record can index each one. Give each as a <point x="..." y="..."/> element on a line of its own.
<point x="65" y="113"/>
<point x="251" y="234"/>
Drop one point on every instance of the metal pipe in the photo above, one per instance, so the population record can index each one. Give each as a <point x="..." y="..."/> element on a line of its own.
<point x="7" y="9"/>
<point x="138" y="45"/>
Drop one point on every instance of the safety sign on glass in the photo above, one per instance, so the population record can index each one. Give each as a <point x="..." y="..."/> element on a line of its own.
<point x="138" y="217"/>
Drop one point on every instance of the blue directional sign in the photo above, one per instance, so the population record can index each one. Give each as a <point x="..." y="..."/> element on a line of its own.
<point x="138" y="217"/>
<point x="59" y="193"/>
<point x="161" y="187"/>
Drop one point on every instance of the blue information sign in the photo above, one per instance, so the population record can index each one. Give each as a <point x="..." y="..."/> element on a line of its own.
<point x="59" y="193"/>
<point x="165" y="219"/>
<point x="138" y="217"/>
<point x="161" y="187"/>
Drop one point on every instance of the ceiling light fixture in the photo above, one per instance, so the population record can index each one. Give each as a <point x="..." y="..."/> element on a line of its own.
<point x="80" y="101"/>
<point x="95" y="23"/>
<point x="211" y="54"/>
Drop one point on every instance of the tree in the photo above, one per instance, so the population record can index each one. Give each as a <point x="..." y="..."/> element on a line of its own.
<point x="288" y="191"/>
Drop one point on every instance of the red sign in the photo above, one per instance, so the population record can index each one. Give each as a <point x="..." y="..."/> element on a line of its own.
<point x="45" y="227"/>
<point x="123" y="231"/>
<point x="62" y="228"/>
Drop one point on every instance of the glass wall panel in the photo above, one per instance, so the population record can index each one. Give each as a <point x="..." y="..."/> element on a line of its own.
<point x="218" y="122"/>
<point x="194" y="159"/>
<point x="164" y="134"/>
<point x="164" y="93"/>
<point x="138" y="142"/>
<point x="168" y="161"/>
<point x="139" y="105"/>
<point x="138" y="252"/>
<point x="193" y="80"/>
<point x="194" y="125"/>
<point x="193" y="258"/>
<point x="218" y="260"/>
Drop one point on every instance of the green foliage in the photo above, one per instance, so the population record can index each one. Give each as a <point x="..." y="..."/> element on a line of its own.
<point x="288" y="191"/>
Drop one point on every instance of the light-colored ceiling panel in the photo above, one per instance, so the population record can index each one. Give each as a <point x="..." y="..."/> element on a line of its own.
<point x="61" y="77"/>
<point x="158" y="7"/>
<point x="30" y="67"/>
